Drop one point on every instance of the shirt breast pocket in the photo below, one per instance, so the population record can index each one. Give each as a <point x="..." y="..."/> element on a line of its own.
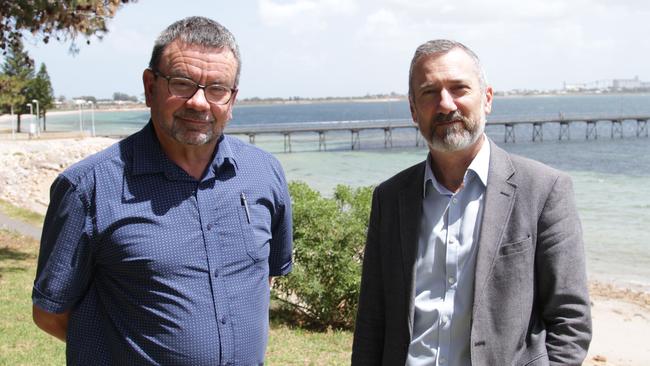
<point x="256" y="224"/>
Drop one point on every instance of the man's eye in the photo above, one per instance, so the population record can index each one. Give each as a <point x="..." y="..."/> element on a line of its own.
<point x="180" y="83"/>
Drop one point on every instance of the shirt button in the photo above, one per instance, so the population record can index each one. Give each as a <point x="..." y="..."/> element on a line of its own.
<point x="216" y="273"/>
<point x="223" y="319"/>
<point x="454" y="200"/>
<point x="209" y="227"/>
<point x="451" y="280"/>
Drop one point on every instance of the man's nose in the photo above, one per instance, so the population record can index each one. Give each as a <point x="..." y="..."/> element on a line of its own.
<point x="447" y="103"/>
<point x="198" y="101"/>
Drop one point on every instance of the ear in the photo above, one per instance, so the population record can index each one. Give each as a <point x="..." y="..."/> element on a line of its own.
<point x="231" y="104"/>
<point x="149" y="81"/>
<point x="489" y="94"/>
<point x="414" y="112"/>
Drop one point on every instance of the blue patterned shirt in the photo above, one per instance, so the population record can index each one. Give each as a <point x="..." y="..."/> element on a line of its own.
<point x="159" y="268"/>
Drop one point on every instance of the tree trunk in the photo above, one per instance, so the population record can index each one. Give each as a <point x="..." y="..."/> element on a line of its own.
<point x="44" y="119"/>
<point x="18" y="123"/>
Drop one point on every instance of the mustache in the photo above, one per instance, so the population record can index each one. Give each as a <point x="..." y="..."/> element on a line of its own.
<point x="194" y="115"/>
<point x="453" y="116"/>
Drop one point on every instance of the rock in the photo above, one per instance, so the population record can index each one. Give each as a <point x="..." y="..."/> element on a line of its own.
<point x="599" y="358"/>
<point x="50" y="166"/>
<point x="27" y="168"/>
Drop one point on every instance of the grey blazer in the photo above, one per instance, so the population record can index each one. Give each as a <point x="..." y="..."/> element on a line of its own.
<point x="531" y="304"/>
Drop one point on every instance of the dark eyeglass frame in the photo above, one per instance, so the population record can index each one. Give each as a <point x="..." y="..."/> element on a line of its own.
<point x="197" y="86"/>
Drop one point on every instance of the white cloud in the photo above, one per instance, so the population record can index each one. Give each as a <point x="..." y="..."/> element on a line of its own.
<point x="303" y="15"/>
<point x="274" y="14"/>
<point x="380" y="24"/>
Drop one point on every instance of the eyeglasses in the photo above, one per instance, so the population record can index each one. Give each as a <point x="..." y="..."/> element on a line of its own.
<point x="186" y="88"/>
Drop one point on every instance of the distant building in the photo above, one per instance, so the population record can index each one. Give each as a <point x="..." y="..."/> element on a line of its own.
<point x="611" y="85"/>
<point x="622" y="84"/>
<point x="574" y="87"/>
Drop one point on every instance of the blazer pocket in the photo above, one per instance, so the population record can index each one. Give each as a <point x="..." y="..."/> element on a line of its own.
<point x="516" y="247"/>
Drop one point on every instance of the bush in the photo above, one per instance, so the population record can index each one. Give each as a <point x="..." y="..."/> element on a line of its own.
<point x="329" y="235"/>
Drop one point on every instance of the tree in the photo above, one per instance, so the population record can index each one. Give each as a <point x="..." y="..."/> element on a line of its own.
<point x="62" y="19"/>
<point x="329" y="235"/>
<point x="19" y="67"/>
<point x="118" y="96"/>
<point x="10" y="88"/>
<point x="40" y="88"/>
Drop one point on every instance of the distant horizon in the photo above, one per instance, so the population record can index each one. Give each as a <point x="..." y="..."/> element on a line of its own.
<point x="393" y="95"/>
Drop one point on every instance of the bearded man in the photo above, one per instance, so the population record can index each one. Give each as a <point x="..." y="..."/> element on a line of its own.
<point x="474" y="256"/>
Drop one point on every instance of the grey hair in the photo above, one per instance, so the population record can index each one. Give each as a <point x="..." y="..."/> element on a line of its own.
<point x="441" y="47"/>
<point x="199" y="31"/>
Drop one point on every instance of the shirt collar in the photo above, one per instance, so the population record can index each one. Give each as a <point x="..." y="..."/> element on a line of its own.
<point x="149" y="158"/>
<point x="479" y="167"/>
<point x="224" y="154"/>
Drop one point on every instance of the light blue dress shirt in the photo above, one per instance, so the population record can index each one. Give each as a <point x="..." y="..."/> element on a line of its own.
<point x="445" y="266"/>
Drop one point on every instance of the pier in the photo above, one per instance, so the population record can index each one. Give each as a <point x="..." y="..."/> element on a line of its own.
<point x="388" y="126"/>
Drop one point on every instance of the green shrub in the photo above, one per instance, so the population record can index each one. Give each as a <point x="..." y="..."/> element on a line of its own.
<point x="328" y="235"/>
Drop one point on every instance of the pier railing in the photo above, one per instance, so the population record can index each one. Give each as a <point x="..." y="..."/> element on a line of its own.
<point x="389" y="125"/>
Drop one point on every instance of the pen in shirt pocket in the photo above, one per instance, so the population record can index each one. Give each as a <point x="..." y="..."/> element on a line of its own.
<point x="245" y="204"/>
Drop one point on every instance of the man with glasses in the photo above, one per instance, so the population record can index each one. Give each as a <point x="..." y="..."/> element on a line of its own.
<point x="160" y="249"/>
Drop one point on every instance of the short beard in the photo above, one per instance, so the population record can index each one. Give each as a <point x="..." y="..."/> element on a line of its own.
<point x="186" y="136"/>
<point x="456" y="136"/>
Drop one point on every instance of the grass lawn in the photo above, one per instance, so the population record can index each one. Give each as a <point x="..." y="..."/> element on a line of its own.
<point x="22" y="343"/>
<point x="18" y="213"/>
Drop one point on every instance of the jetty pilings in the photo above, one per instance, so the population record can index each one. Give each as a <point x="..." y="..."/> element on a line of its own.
<point x="355" y="128"/>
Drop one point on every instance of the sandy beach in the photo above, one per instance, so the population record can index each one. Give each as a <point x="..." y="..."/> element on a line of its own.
<point x="621" y="315"/>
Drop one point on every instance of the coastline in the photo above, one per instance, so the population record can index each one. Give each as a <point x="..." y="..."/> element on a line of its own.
<point x="5" y="118"/>
<point x="621" y="313"/>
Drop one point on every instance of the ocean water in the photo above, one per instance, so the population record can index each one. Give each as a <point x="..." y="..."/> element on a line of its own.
<point x="611" y="176"/>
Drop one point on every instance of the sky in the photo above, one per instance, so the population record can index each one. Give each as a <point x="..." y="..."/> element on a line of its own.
<point x="319" y="48"/>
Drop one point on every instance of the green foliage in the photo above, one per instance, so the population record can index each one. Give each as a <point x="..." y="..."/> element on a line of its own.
<point x="40" y="88"/>
<point x="329" y="235"/>
<point x="17" y="63"/>
<point x="18" y="68"/>
<point x="61" y="19"/>
<point x="10" y="88"/>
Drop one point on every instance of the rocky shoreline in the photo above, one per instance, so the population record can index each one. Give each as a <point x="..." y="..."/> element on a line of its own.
<point x="30" y="166"/>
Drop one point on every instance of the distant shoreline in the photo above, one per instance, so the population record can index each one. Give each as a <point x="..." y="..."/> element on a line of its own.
<point x="306" y="101"/>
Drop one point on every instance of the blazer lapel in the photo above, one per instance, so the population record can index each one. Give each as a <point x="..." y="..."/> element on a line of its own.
<point x="499" y="199"/>
<point x="410" y="214"/>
